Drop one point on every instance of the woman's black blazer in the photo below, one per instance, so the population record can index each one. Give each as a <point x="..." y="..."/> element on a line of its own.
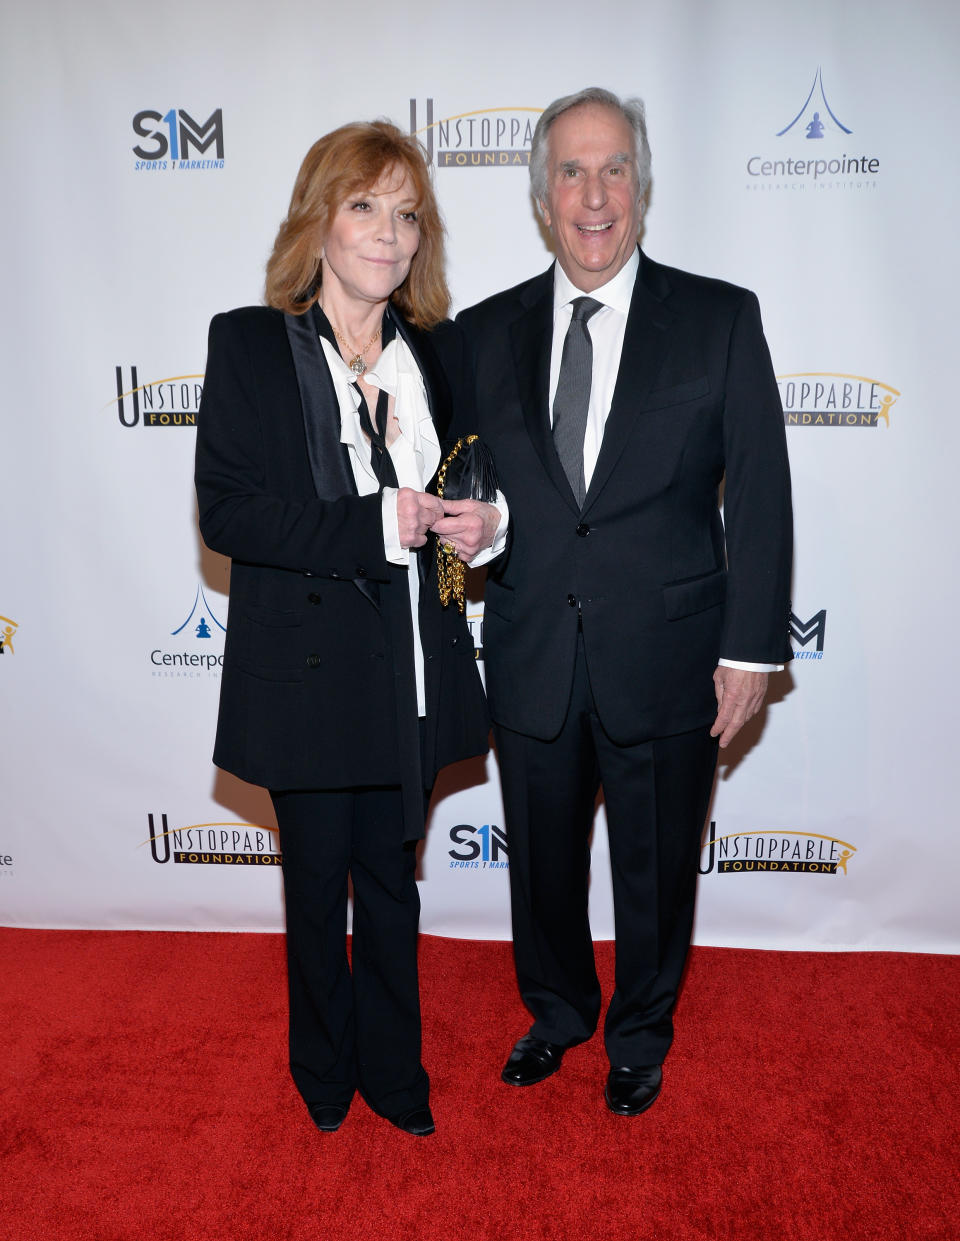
<point x="318" y="683"/>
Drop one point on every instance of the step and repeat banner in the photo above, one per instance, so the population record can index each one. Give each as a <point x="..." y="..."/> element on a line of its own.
<point x="804" y="151"/>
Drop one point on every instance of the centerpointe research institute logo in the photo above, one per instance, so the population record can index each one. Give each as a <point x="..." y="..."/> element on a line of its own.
<point x="478" y="848"/>
<point x="835" y="399"/>
<point x="817" y="126"/>
<point x="775" y="852"/>
<point x="483" y="138"/>
<point x="8" y="629"/>
<point x="170" y="141"/>
<point x="199" y="651"/>
<point x="815" y="150"/>
<point x="212" y="844"/>
<point x="805" y="632"/>
<point x="170" y="402"/>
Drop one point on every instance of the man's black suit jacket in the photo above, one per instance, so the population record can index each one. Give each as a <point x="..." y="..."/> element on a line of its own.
<point x="664" y="586"/>
<point x="318" y="683"/>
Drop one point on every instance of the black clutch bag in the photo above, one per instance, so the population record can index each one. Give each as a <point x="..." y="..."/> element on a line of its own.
<point x="467" y="473"/>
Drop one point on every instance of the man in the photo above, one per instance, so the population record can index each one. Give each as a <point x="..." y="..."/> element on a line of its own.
<point x="626" y="632"/>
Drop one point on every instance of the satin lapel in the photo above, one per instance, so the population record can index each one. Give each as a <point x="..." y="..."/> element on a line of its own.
<point x="329" y="462"/>
<point x="399" y="630"/>
<point x="645" y="343"/>
<point x="531" y="339"/>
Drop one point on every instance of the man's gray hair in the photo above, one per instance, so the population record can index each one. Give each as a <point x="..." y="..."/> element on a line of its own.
<point x="632" y="112"/>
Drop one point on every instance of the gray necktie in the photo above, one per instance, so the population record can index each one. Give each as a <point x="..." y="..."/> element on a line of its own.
<point x="572" y="398"/>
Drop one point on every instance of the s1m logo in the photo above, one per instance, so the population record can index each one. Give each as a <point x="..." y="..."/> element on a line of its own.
<point x="182" y="131"/>
<point x="804" y="632"/>
<point x="480" y="844"/>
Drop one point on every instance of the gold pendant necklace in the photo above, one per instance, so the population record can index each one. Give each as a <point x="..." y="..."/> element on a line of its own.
<point x="356" y="363"/>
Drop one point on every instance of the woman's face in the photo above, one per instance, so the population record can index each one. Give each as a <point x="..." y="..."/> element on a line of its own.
<point x="371" y="241"/>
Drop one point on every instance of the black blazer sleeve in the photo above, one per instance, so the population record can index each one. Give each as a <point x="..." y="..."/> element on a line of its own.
<point x="757" y="511"/>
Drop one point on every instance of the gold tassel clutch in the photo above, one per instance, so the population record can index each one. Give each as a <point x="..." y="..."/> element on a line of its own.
<point x="467" y="473"/>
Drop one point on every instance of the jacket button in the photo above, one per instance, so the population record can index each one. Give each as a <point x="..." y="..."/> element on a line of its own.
<point x="335" y="575"/>
<point x="583" y="530"/>
<point x="313" y="597"/>
<point x="572" y="600"/>
<point x="361" y="571"/>
<point x="454" y="641"/>
<point x="313" y="661"/>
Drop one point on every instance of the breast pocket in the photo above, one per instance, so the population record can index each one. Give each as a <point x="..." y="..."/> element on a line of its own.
<point x="678" y="394"/>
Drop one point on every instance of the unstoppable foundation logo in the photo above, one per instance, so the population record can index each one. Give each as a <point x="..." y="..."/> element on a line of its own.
<point x="199" y="651"/>
<point x="835" y="399"/>
<point x="170" y="402"/>
<point x="813" y="153"/>
<point x="475" y="624"/>
<point x="211" y="844"/>
<point x="775" y="852"/>
<point x="8" y="630"/>
<point x="482" y="138"/>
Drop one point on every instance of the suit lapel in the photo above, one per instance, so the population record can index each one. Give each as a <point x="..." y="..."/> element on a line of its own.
<point x="396" y="604"/>
<point x="645" y="343"/>
<point x="531" y="339"/>
<point x="329" y="463"/>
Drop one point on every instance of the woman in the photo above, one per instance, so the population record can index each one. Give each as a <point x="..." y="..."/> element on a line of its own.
<point x="345" y="685"/>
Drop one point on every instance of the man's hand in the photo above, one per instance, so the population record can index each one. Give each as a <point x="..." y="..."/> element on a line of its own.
<point x="470" y="525"/>
<point x="416" y="513"/>
<point x="740" y="696"/>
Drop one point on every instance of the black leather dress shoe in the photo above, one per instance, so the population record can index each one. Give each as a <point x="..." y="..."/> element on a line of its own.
<point x="418" y="1121"/>
<point x="531" y="1061"/>
<point x="631" y="1091"/>
<point x="328" y="1117"/>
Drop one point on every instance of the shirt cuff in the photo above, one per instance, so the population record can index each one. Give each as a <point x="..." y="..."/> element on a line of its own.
<point x="499" y="539"/>
<point x="394" y="553"/>
<point x="745" y="667"/>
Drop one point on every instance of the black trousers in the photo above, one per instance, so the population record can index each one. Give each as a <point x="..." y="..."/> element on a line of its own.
<point x="656" y="796"/>
<point x="356" y="1030"/>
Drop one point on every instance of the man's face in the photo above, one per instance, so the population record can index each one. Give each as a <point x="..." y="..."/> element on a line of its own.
<point x="592" y="206"/>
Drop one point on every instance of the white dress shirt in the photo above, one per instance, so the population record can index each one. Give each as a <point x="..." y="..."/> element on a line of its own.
<point x="415" y="453"/>
<point x="607" y="327"/>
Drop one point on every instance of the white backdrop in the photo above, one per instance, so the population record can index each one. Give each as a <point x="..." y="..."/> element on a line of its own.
<point x="806" y="151"/>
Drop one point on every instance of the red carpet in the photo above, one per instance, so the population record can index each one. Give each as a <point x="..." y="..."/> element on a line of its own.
<point x="809" y="1097"/>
